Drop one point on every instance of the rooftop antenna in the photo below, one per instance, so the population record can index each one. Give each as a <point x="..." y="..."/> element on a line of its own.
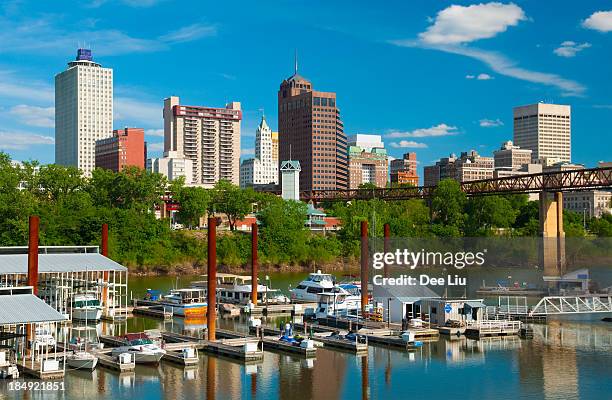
<point x="263" y="113"/>
<point x="296" y="62"/>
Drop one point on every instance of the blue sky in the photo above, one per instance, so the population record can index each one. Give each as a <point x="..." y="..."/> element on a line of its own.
<point x="433" y="77"/>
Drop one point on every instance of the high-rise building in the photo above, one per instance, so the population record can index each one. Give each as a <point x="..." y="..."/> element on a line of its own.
<point x="83" y="111"/>
<point x="511" y="156"/>
<point x="311" y="132"/>
<point x="368" y="161"/>
<point x="590" y="203"/>
<point x="209" y="137"/>
<point x="173" y="166"/>
<point x="261" y="170"/>
<point x="470" y="166"/>
<point x="275" y="158"/>
<point x="545" y="129"/>
<point x="125" y="148"/>
<point x="404" y="170"/>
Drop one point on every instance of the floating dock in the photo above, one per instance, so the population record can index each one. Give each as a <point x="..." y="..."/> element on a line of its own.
<point x="490" y="328"/>
<point x="351" y="346"/>
<point x="234" y="345"/>
<point x="276" y="344"/>
<point x="152" y="311"/>
<point x="35" y="371"/>
<point x="280" y="309"/>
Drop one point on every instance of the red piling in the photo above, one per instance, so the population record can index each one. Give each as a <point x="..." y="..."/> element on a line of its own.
<point x="33" y="253"/>
<point x="364" y="265"/>
<point x="254" y="263"/>
<point x="212" y="278"/>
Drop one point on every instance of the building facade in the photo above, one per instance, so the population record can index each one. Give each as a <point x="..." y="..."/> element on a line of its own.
<point x="209" y="137"/>
<point x="545" y="129"/>
<point x="173" y="166"/>
<point x="311" y="132"/>
<point x="510" y="156"/>
<point x="368" y="161"/>
<point x="470" y="166"/>
<point x="83" y="111"/>
<point x="593" y="203"/>
<point x="290" y="180"/>
<point x="404" y="170"/>
<point x="443" y="169"/>
<point x="261" y="170"/>
<point x="125" y="148"/>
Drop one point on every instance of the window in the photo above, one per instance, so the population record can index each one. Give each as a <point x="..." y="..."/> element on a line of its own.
<point x="317" y="101"/>
<point x="433" y="310"/>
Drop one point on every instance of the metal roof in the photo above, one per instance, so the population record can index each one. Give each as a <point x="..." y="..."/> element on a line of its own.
<point x="26" y="308"/>
<point x="475" y="304"/>
<point x="69" y="262"/>
<point x="404" y="292"/>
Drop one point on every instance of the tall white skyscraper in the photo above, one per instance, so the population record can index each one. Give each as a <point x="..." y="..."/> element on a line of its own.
<point x="263" y="169"/>
<point x="545" y="129"/>
<point x="83" y="111"/>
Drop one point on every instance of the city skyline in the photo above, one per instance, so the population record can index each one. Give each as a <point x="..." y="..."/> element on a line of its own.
<point x="423" y="60"/>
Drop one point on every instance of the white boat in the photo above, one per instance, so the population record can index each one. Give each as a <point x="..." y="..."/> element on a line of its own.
<point x="142" y="348"/>
<point x="190" y="302"/>
<point x="237" y="289"/>
<point x="311" y="288"/>
<point x="81" y="360"/>
<point x="340" y="303"/>
<point x="43" y="338"/>
<point x="86" y="307"/>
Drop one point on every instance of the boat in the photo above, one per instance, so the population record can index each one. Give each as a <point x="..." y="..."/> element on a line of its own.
<point x="140" y="345"/>
<point x="43" y="338"/>
<point x="311" y="288"/>
<point x="188" y="302"/>
<point x="86" y="307"/>
<point x="339" y="303"/>
<point x="81" y="360"/>
<point x="237" y="289"/>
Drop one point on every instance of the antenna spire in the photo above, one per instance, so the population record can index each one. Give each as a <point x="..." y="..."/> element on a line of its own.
<point x="296" y="62"/>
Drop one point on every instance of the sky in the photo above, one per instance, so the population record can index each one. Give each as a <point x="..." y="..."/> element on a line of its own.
<point x="434" y="77"/>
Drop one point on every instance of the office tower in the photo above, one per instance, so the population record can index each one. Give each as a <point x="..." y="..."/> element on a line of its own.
<point x="209" y="137"/>
<point x="311" y="132"/>
<point x="545" y="129"/>
<point x="261" y="170"/>
<point x="83" y="111"/>
<point x="511" y="156"/>
<point x="368" y="162"/>
<point x="125" y="148"/>
<point x="590" y="203"/>
<point x="469" y="166"/>
<point x="172" y="166"/>
<point x="275" y="158"/>
<point x="404" y="170"/>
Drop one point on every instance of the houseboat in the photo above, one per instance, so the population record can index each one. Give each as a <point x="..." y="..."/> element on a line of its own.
<point x="237" y="289"/>
<point x="340" y="303"/>
<point x="86" y="307"/>
<point x="188" y="302"/>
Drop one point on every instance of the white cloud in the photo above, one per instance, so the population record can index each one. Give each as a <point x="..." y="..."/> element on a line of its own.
<point x="490" y="123"/>
<point x="189" y="33"/>
<point x="569" y="48"/>
<point x="458" y="24"/>
<point x="436" y="130"/>
<point x="47" y="35"/>
<point x="408" y="144"/>
<point x="470" y="76"/>
<point x="484" y="77"/>
<point x="599" y="21"/>
<point x="155" y="132"/>
<point x="22" y="141"/>
<point x="43" y="117"/>
<point x="12" y="87"/>
<point x="247" y="152"/>
<point x="159" y="146"/>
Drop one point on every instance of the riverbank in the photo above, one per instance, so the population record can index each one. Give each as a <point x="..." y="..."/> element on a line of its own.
<point x="199" y="268"/>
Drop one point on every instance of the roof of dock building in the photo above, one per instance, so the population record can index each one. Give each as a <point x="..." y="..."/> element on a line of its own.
<point x="20" y="306"/>
<point x="57" y="259"/>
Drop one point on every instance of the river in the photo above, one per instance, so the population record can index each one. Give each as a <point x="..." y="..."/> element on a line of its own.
<point x="567" y="359"/>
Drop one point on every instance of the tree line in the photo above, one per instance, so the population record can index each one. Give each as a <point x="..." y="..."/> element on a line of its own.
<point x="72" y="210"/>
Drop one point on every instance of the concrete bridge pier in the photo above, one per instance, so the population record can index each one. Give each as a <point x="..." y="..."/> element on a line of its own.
<point x="552" y="251"/>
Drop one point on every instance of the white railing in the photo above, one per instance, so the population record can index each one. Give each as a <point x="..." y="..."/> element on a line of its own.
<point x="572" y="305"/>
<point x="495" y="326"/>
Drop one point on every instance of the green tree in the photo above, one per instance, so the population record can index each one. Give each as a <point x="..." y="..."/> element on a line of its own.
<point x="447" y="204"/>
<point x="195" y="203"/>
<point x="488" y="212"/>
<point x="232" y="201"/>
<point x="282" y="231"/>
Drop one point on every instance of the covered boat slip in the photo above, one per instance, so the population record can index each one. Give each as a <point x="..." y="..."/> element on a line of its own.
<point x="67" y="271"/>
<point x="28" y="331"/>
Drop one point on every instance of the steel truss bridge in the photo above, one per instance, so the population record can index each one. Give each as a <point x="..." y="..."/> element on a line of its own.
<point x="552" y="305"/>
<point x="559" y="181"/>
